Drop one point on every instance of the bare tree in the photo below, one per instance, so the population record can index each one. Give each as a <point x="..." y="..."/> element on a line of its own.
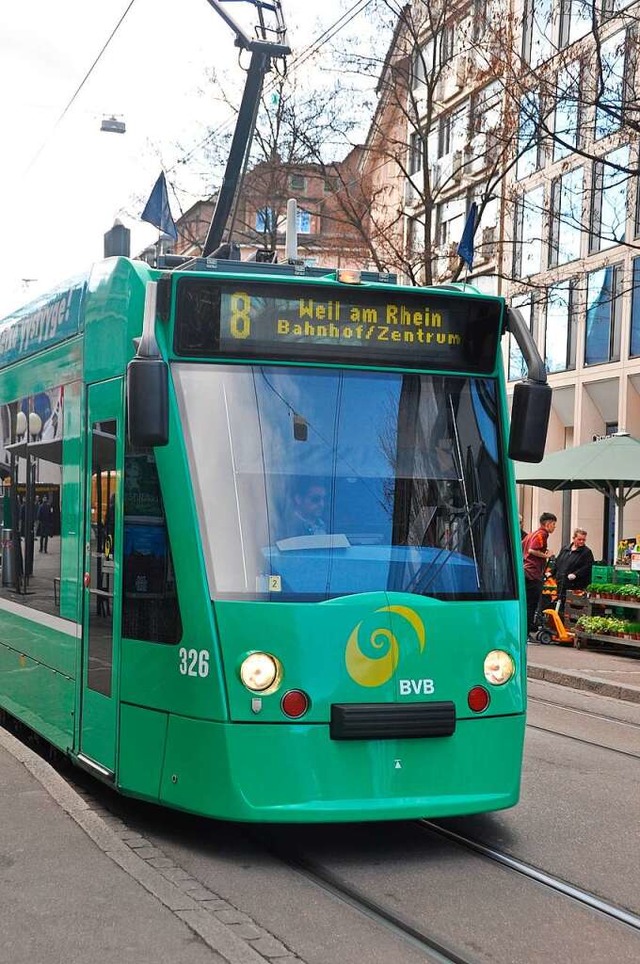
<point x="571" y="207"/>
<point x="442" y="136"/>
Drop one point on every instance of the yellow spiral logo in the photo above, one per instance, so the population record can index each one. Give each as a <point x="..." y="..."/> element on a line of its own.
<point x="376" y="669"/>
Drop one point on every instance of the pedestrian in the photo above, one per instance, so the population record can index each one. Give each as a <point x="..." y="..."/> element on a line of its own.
<point x="573" y="565"/>
<point x="44" y="519"/>
<point x="535" y="555"/>
<point x="523" y="531"/>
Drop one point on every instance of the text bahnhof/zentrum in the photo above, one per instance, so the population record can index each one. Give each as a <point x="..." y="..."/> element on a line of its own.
<point x="335" y="320"/>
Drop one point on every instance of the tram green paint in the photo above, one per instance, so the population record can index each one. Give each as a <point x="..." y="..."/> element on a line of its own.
<point x="192" y="740"/>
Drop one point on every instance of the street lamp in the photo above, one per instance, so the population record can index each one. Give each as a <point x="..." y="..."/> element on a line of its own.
<point x="21" y="424"/>
<point x="35" y="425"/>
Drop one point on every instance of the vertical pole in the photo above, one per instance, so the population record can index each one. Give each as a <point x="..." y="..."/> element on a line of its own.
<point x="619" y="521"/>
<point x="240" y="144"/>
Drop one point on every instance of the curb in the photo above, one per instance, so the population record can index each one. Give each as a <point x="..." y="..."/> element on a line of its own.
<point x="593" y="684"/>
<point x="204" y="912"/>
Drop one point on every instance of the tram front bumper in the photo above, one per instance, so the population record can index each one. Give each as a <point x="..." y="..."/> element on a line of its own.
<point x="294" y="773"/>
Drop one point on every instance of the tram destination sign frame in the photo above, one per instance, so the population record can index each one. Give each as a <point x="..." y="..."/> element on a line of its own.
<point x="346" y="324"/>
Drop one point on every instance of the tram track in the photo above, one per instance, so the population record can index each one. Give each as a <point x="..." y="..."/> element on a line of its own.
<point x="591" y="716"/>
<point x="361" y="902"/>
<point x="553" y="883"/>
<point x="579" y="739"/>
<point x="582" y="712"/>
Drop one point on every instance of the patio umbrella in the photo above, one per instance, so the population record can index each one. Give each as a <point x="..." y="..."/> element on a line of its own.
<point x="610" y="465"/>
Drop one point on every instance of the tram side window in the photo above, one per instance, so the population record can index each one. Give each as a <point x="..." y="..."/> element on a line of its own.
<point x="31" y="474"/>
<point x="150" y="609"/>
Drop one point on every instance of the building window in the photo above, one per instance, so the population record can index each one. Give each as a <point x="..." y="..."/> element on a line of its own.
<point x="304" y="222"/>
<point x="576" y="20"/>
<point x="416" y="152"/>
<point x="604" y="311"/>
<point x="297" y="182"/>
<point x="566" y="218"/>
<point x="517" y="364"/>
<point x="609" y="200"/>
<point x="433" y="55"/>
<point x="453" y="131"/>
<point x="416" y="236"/>
<point x="450" y="218"/>
<point x="265" y="220"/>
<point x="559" y="335"/>
<point x="609" y="106"/>
<point x="528" y="233"/>
<point x="529" y="140"/>
<point x="444" y="136"/>
<point x="567" y="111"/>
<point x="634" y="346"/>
<point x="537" y="31"/>
<point x="480" y="16"/>
<point x="611" y="7"/>
<point x="420" y="65"/>
<point x="486" y="109"/>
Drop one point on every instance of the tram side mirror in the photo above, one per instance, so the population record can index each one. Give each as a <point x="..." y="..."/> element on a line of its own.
<point x="529" y="421"/>
<point x="148" y="402"/>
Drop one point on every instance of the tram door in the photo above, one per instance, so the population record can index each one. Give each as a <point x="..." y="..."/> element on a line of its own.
<point x="102" y="603"/>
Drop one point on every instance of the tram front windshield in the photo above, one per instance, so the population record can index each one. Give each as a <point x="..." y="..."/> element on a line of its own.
<point x="316" y="483"/>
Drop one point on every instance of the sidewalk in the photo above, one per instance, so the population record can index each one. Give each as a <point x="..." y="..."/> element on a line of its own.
<point x="74" y="891"/>
<point x="595" y="671"/>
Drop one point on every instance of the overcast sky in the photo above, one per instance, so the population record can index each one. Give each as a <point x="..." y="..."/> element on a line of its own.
<point x="62" y="181"/>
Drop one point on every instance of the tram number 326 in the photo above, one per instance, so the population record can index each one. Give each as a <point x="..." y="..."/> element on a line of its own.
<point x="193" y="662"/>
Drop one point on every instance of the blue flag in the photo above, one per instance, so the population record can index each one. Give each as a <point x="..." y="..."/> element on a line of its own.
<point x="465" y="248"/>
<point x="157" y="210"/>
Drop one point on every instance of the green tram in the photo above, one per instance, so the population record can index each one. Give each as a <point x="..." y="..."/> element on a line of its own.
<point x="277" y="572"/>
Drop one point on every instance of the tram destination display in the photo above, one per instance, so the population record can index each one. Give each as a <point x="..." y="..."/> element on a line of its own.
<point x="421" y="329"/>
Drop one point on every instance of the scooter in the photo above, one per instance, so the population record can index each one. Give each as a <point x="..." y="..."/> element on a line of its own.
<point x="552" y="629"/>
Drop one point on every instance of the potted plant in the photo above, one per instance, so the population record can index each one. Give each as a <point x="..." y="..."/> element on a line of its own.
<point x="595" y="589"/>
<point x="617" y="627"/>
<point x="627" y="591"/>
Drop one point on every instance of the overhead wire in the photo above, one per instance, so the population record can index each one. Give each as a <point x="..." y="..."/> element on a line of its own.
<point x="347" y="17"/>
<point x="79" y="87"/>
<point x="298" y="61"/>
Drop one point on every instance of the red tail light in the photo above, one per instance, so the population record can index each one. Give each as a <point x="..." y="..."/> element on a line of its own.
<point x="478" y="699"/>
<point x="295" y="703"/>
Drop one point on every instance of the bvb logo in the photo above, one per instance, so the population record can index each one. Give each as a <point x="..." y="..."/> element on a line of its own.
<point x="377" y="669"/>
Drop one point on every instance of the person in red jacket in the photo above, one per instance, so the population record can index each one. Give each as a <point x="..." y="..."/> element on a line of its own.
<point x="535" y="555"/>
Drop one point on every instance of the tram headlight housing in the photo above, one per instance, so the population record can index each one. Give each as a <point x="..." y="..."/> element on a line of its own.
<point x="260" y="672"/>
<point x="499" y="667"/>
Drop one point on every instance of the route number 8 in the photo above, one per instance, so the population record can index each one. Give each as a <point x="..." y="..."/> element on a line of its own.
<point x="240" y="315"/>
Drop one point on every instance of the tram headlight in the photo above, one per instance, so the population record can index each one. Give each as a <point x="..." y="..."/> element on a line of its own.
<point x="498" y="667"/>
<point x="260" y="672"/>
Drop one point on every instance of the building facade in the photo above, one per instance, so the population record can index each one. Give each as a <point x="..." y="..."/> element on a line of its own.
<point x="330" y="213"/>
<point x="531" y="111"/>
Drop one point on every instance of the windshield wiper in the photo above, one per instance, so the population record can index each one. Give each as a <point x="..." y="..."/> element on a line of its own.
<point x="471" y="514"/>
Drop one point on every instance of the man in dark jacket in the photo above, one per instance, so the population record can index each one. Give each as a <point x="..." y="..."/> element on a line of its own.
<point x="573" y="565"/>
